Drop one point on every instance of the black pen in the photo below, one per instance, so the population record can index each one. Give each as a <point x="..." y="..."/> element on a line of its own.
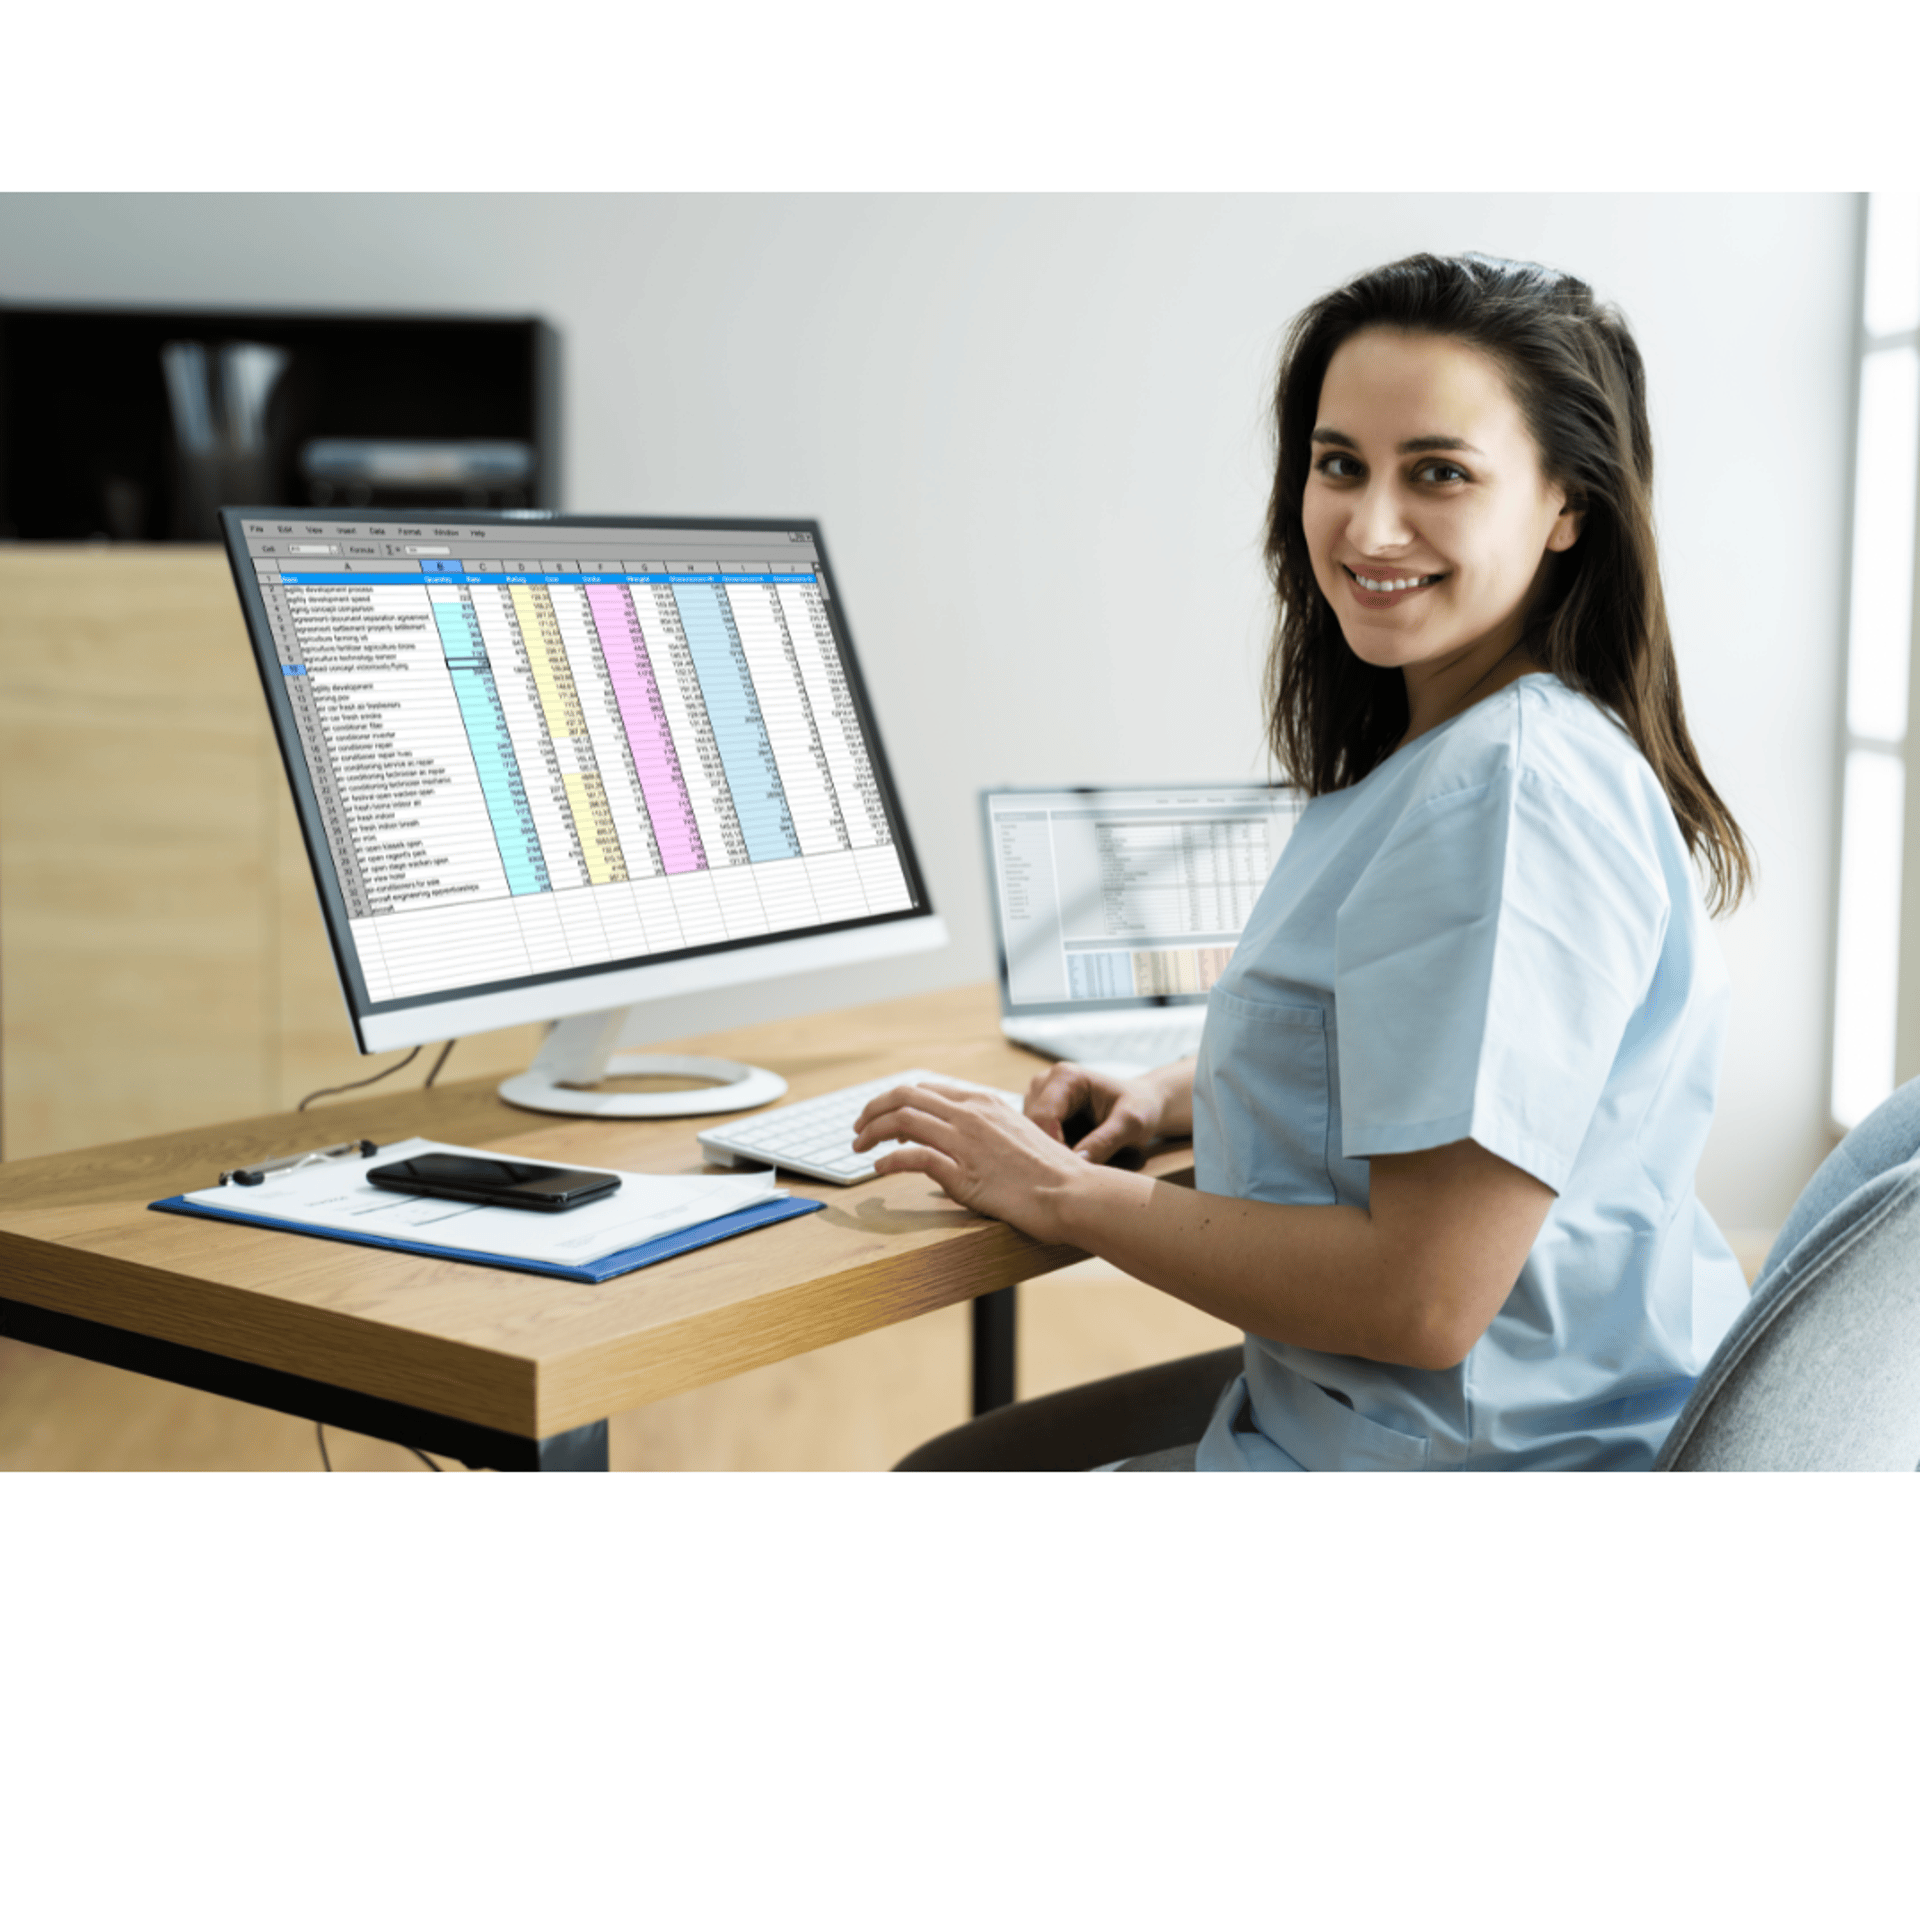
<point x="261" y="1169"/>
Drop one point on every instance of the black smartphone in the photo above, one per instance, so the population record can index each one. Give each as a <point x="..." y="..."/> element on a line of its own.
<point x="494" y="1183"/>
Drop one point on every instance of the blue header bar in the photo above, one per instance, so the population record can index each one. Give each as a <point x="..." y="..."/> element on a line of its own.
<point x="353" y="580"/>
<point x="451" y="574"/>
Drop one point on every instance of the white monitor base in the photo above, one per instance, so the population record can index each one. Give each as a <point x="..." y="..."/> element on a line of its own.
<point x="578" y="1054"/>
<point x="739" y="1087"/>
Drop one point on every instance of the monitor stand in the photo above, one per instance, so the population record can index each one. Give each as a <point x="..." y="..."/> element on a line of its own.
<point x="578" y="1054"/>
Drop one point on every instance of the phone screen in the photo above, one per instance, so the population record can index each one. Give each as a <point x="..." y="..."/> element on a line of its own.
<point x="503" y="1183"/>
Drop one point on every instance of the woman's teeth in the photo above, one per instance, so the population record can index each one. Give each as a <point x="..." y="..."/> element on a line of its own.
<point x="1393" y="586"/>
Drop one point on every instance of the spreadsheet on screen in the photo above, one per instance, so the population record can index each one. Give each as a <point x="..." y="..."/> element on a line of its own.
<point x="541" y="749"/>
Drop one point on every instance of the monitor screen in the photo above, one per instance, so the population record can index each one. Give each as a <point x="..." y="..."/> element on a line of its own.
<point x="535" y="756"/>
<point x="1126" y="896"/>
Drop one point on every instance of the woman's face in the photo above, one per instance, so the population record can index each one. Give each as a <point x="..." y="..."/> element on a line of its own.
<point x="1426" y="513"/>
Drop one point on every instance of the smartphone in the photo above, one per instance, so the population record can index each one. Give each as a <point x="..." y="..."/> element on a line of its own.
<point x="494" y="1183"/>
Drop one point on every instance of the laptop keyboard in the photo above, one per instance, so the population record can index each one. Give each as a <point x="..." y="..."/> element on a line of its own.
<point x="814" y="1137"/>
<point x="1139" y="1037"/>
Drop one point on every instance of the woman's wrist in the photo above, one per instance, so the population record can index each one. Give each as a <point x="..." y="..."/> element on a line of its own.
<point x="1087" y="1200"/>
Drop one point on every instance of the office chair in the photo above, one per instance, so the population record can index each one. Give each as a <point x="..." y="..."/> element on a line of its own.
<point x="1821" y="1371"/>
<point x="1151" y="1418"/>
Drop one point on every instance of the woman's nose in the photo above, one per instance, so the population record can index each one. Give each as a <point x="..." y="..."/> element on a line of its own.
<point x="1379" y="522"/>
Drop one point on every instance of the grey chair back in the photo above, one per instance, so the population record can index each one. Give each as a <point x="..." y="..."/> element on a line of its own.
<point x="1821" y="1372"/>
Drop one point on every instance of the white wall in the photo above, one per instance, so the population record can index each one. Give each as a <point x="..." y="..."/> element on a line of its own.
<point x="1033" y="430"/>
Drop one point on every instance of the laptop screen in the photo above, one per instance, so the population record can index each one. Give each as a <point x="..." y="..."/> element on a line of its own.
<point x="1126" y="896"/>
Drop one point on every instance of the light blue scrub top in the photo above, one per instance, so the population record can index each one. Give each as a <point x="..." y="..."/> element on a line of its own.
<point x="1494" y="936"/>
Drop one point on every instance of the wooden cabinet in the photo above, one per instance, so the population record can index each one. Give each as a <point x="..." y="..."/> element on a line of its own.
<point x="162" y="958"/>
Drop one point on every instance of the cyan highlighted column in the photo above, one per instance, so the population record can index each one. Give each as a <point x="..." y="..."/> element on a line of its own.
<point x="746" y="753"/>
<point x="493" y="755"/>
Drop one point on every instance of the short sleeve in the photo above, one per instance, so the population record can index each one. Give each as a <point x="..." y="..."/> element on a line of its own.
<point x="1485" y="968"/>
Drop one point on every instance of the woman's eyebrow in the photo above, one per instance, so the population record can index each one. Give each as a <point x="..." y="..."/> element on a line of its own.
<point x="1426" y="443"/>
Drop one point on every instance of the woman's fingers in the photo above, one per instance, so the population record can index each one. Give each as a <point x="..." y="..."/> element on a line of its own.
<point x="1060" y="1093"/>
<point x="1130" y="1122"/>
<point x="1052" y="1096"/>
<point x="1096" y="1115"/>
<point x="975" y="1148"/>
<point x="908" y="1113"/>
<point x="1119" y="1129"/>
<point x="928" y="1160"/>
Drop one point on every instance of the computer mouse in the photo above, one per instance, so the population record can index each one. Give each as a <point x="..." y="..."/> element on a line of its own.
<point x="1079" y="1123"/>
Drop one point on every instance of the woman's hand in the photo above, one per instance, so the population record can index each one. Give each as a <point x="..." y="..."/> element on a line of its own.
<point x="977" y="1150"/>
<point x="1123" y="1113"/>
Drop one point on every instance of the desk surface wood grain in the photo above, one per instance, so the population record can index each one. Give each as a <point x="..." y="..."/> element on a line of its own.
<point x="520" y="1352"/>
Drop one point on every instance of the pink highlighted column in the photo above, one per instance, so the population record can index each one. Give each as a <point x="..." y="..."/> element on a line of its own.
<point x="645" y="719"/>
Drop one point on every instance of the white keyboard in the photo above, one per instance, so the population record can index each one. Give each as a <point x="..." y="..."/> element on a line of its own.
<point x="815" y="1137"/>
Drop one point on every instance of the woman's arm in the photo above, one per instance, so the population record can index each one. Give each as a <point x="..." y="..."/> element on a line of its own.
<point x="1413" y="1279"/>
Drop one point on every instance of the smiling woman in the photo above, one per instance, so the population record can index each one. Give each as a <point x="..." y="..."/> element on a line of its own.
<point x="1455" y="1080"/>
<point x="1429" y="546"/>
<point x="1519" y="344"/>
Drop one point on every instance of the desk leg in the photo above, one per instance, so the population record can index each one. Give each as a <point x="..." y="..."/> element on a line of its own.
<point x="993" y="1347"/>
<point x="583" y="1450"/>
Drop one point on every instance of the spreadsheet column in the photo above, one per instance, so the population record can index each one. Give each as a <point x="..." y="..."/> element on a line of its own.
<point x="663" y="786"/>
<point x="663" y="643"/>
<point x="412" y="794"/>
<point x="327" y="794"/>
<point x="883" y="884"/>
<point x="486" y="723"/>
<point x="752" y="774"/>
<point x="818" y="656"/>
<point x="540" y="774"/>
<point x="606" y="730"/>
<point x="690" y="726"/>
<point x="805" y="780"/>
<point x="566" y="724"/>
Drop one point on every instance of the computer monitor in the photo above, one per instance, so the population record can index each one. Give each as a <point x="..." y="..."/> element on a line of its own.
<point x="1129" y="896"/>
<point x="549" y="766"/>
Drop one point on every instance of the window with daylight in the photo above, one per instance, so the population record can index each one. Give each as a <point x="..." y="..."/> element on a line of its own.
<point x="1880" y="645"/>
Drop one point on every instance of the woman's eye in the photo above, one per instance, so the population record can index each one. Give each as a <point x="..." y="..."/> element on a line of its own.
<point x="1337" y="466"/>
<point x="1442" y="470"/>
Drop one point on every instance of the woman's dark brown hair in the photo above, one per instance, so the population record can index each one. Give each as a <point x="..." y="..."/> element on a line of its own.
<point x="1600" y="620"/>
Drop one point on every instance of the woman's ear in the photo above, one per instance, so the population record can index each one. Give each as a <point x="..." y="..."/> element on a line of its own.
<point x="1566" y="526"/>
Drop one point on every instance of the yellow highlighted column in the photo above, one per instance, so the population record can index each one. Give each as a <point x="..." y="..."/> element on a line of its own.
<point x="567" y="721"/>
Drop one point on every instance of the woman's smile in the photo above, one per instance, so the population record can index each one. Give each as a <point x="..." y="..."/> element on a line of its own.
<point x="1377" y="587"/>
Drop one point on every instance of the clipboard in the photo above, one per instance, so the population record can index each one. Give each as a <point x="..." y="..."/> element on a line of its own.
<point x="329" y="1201"/>
<point x="646" y="1254"/>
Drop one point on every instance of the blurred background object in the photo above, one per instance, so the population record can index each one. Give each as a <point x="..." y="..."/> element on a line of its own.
<point x="122" y="424"/>
<point x="222" y="456"/>
<point x="381" y="473"/>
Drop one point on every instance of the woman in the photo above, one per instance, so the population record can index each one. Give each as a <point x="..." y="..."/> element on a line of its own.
<point x="1455" y="1082"/>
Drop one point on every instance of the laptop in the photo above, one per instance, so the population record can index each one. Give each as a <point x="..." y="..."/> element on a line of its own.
<point x="1116" y="908"/>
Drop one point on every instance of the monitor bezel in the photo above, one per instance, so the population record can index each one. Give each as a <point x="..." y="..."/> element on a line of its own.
<point x="1052" y="1009"/>
<point x="455" y="1012"/>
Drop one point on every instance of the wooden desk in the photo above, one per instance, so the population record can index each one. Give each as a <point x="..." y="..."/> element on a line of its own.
<point x="489" y="1367"/>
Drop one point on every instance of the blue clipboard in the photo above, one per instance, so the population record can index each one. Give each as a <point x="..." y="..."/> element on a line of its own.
<point x="608" y="1267"/>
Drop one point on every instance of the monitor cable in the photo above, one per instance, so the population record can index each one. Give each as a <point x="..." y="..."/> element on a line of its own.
<point x="354" y="1085"/>
<point x="326" y="1459"/>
